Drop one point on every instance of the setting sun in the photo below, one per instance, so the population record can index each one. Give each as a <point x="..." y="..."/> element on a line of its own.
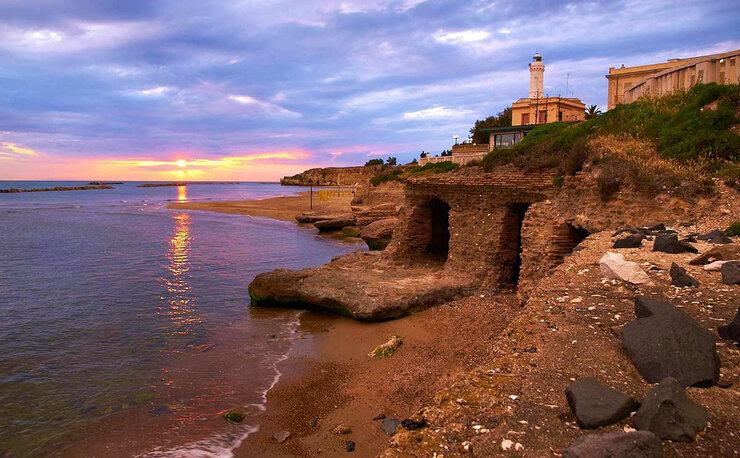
<point x="181" y="163"/>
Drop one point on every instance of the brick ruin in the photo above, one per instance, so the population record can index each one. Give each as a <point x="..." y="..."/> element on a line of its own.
<point x="463" y="232"/>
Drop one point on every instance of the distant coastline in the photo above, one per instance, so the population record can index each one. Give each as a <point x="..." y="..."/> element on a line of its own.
<point x="184" y="183"/>
<point x="89" y="187"/>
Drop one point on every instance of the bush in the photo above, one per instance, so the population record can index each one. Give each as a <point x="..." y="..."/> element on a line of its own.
<point x="393" y="175"/>
<point x="733" y="230"/>
<point x="558" y="181"/>
<point x="374" y="162"/>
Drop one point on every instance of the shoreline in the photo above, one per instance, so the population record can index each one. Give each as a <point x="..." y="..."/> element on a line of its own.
<point x="283" y="208"/>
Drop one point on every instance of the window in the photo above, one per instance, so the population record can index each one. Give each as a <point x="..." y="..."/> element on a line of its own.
<point x="505" y="140"/>
<point x="560" y="115"/>
<point x="732" y="62"/>
<point x="525" y="118"/>
<point x="543" y="117"/>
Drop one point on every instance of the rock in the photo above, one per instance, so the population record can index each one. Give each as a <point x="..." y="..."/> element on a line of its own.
<point x="731" y="330"/>
<point x="668" y="413"/>
<point x="666" y="342"/>
<point x="680" y="278"/>
<point x="386" y="349"/>
<point x="730" y="273"/>
<point x="634" y="444"/>
<point x="281" y="436"/>
<point x="657" y="227"/>
<point x="234" y="417"/>
<point x="378" y="234"/>
<point x="715" y="266"/>
<point x="350" y="446"/>
<point x="716" y="236"/>
<point x="389" y="425"/>
<point x="310" y="218"/>
<point x="342" y="429"/>
<point x="689" y="239"/>
<point x="334" y="224"/>
<point x="351" y="231"/>
<point x="413" y="424"/>
<point x="613" y="265"/>
<point x="380" y="416"/>
<point x="629" y="230"/>
<point x="596" y="405"/>
<point x="669" y="243"/>
<point x="631" y="241"/>
<point x="718" y="253"/>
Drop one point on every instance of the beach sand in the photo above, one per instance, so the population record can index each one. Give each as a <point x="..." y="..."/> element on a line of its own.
<point x="284" y="208"/>
<point x="330" y="376"/>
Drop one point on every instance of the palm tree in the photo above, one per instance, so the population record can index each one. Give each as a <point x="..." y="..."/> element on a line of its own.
<point x="592" y="111"/>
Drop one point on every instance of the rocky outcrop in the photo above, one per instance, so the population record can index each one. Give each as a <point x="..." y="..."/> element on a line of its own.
<point x="669" y="243"/>
<point x="596" y="405"/>
<point x="718" y="253"/>
<point x="668" y="413"/>
<point x="335" y="224"/>
<point x="665" y="342"/>
<point x="716" y="236"/>
<point x="680" y="278"/>
<point x="378" y="234"/>
<point x="333" y="176"/>
<point x="629" y="241"/>
<point x="634" y="444"/>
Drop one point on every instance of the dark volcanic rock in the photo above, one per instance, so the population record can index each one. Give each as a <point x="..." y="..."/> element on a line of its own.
<point x="635" y="444"/>
<point x="731" y="331"/>
<point x="597" y="405"/>
<point x="666" y="342"/>
<point x="718" y="253"/>
<point x="668" y="413"/>
<point x="717" y="236"/>
<point x="334" y="224"/>
<point x="730" y="273"/>
<point x="389" y="425"/>
<point x="669" y="243"/>
<point x="630" y="241"/>
<point x="680" y="278"/>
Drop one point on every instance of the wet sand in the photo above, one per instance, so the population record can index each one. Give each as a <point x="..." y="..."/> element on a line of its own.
<point x="329" y="379"/>
<point x="284" y="208"/>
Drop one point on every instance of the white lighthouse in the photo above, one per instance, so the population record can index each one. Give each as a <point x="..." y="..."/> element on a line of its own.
<point x="536" y="77"/>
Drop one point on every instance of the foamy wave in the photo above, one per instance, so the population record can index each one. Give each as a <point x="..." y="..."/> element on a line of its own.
<point x="222" y="445"/>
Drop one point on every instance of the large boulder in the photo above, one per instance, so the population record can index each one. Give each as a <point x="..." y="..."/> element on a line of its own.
<point x="731" y="330"/>
<point x="669" y="243"/>
<point x="680" y="278"/>
<point x="335" y="224"/>
<point x="596" y="405"/>
<point x="378" y="234"/>
<point x="613" y="265"/>
<point x="718" y="253"/>
<point x="666" y="342"/>
<point x="361" y="285"/>
<point x="634" y="444"/>
<point x="730" y="273"/>
<point x="310" y="218"/>
<point x="668" y="413"/>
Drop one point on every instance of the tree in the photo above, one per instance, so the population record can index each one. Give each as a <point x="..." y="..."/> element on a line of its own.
<point x="374" y="162"/>
<point x="592" y="111"/>
<point x="502" y="119"/>
<point x="446" y="153"/>
<point x="391" y="161"/>
<point x="423" y="154"/>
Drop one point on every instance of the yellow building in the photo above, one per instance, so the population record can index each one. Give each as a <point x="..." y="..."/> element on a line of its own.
<point x="627" y="84"/>
<point x="540" y="109"/>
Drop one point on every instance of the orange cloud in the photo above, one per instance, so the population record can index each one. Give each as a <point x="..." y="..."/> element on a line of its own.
<point x="11" y="150"/>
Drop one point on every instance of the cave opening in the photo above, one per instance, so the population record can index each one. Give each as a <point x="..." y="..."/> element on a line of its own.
<point x="512" y="244"/>
<point x="438" y="245"/>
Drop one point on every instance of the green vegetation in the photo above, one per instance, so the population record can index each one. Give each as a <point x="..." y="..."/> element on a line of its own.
<point x="502" y="119"/>
<point x="592" y="111"/>
<point x="403" y="173"/>
<point x="733" y="230"/>
<point x="234" y="417"/>
<point x="651" y="144"/>
<point x="374" y="162"/>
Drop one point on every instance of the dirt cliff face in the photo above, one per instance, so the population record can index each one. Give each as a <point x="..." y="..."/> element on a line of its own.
<point x="333" y="176"/>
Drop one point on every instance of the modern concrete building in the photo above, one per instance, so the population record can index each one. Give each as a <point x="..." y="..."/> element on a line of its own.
<point x="538" y="108"/>
<point x="627" y="84"/>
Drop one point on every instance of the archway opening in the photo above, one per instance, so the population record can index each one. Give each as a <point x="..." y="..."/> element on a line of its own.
<point x="438" y="245"/>
<point x="510" y="254"/>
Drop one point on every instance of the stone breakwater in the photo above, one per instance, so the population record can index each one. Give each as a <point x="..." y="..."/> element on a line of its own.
<point x="57" y="188"/>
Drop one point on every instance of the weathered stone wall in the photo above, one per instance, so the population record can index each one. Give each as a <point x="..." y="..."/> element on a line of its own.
<point x="333" y="176"/>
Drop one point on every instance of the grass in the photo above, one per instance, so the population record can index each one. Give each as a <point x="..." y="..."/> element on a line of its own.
<point x="733" y="230"/>
<point x="402" y="174"/>
<point x="651" y="144"/>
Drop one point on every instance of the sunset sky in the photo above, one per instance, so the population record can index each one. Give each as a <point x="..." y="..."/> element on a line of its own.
<point x="254" y="90"/>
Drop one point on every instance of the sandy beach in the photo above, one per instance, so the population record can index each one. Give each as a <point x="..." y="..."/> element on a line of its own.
<point x="284" y="208"/>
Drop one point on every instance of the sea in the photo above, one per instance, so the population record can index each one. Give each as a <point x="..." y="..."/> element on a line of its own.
<point x="126" y="327"/>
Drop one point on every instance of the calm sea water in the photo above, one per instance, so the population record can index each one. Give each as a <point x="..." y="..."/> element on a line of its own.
<point x="113" y="306"/>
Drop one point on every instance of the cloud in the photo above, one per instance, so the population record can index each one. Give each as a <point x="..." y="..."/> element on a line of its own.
<point x="11" y="150"/>
<point x="435" y="113"/>
<point x="461" y="37"/>
<point x="269" y="109"/>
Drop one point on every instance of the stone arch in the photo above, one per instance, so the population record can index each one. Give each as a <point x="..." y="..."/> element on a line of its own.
<point x="427" y="235"/>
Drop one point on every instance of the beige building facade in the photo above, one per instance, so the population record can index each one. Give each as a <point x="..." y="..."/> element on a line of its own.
<point x="627" y="84"/>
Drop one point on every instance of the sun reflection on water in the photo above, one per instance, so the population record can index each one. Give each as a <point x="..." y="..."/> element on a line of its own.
<point x="182" y="193"/>
<point x="181" y="306"/>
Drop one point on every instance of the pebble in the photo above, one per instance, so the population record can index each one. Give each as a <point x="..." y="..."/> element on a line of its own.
<point x="350" y="446"/>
